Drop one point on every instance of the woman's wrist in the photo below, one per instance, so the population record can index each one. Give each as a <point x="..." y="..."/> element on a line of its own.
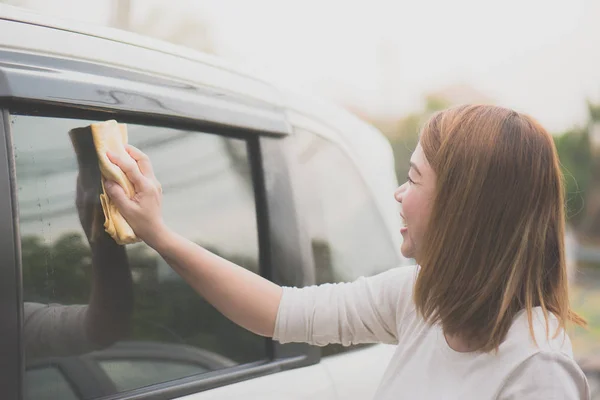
<point x="160" y="239"/>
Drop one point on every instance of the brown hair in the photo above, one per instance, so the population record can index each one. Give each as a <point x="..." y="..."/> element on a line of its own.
<point x="495" y="240"/>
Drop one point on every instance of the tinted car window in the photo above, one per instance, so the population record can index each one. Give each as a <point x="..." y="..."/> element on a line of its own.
<point x="79" y="297"/>
<point x="348" y="236"/>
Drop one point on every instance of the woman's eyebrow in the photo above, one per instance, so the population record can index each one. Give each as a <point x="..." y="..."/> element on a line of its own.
<point x="413" y="166"/>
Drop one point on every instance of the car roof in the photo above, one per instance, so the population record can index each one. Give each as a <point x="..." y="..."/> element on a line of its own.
<point x="40" y="34"/>
<point x="17" y="14"/>
<point x="247" y="83"/>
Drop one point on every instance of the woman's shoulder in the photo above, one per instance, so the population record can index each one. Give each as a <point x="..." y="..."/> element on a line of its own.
<point x="542" y="361"/>
<point x="547" y="335"/>
<point x="547" y="373"/>
<point x="396" y="287"/>
<point x="404" y="273"/>
<point x="396" y="283"/>
<point x="540" y="339"/>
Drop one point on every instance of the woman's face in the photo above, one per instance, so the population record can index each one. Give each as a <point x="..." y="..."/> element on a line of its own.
<point x="416" y="197"/>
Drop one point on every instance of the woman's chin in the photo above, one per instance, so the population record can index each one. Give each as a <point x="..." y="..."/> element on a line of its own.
<point x="407" y="250"/>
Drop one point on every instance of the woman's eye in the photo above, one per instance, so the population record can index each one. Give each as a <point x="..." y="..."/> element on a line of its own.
<point x="409" y="180"/>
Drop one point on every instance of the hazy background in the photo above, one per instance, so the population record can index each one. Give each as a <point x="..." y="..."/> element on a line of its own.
<point x="381" y="58"/>
<point x="394" y="62"/>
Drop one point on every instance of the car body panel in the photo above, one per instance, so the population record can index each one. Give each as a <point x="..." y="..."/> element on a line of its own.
<point x="305" y="383"/>
<point x="54" y="67"/>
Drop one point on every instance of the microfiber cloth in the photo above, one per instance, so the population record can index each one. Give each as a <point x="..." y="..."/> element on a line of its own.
<point x="109" y="136"/>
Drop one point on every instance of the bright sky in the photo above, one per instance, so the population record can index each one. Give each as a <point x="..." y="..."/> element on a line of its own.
<point x="538" y="56"/>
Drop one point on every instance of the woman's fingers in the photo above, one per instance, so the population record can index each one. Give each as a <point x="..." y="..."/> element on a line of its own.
<point x="130" y="167"/>
<point x="116" y="194"/>
<point x="143" y="211"/>
<point x="143" y="161"/>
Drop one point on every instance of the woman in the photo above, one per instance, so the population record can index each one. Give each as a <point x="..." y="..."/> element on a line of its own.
<point x="484" y="313"/>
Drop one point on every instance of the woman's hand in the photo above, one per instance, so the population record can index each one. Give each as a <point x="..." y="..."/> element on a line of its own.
<point x="244" y="297"/>
<point x="143" y="211"/>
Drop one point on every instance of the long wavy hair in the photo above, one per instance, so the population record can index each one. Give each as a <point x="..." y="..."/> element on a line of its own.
<point x="495" y="241"/>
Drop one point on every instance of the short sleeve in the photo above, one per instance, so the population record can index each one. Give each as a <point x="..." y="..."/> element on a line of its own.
<point x="546" y="376"/>
<point x="368" y="310"/>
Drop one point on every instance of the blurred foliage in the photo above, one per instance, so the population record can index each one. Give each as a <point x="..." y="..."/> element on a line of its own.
<point x="403" y="133"/>
<point x="580" y="163"/>
<point x="579" y="166"/>
<point x="575" y="158"/>
<point x="64" y="267"/>
<point x="594" y="111"/>
<point x="166" y="309"/>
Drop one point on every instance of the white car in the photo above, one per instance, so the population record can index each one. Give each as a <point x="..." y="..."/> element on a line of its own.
<point x="291" y="188"/>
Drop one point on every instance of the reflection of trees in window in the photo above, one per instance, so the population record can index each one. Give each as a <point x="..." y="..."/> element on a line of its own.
<point x="60" y="272"/>
<point x="167" y="310"/>
<point x="201" y="177"/>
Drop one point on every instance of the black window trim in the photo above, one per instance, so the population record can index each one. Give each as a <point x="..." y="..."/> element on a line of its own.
<point x="291" y="249"/>
<point x="11" y="356"/>
<point x="212" y="380"/>
<point x="282" y="357"/>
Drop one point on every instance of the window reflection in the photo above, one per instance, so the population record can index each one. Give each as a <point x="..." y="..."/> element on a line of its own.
<point x="85" y="298"/>
<point x="348" y="236"/>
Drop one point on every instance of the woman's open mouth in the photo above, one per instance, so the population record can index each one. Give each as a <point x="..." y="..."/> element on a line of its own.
<point x="404" y="228"/>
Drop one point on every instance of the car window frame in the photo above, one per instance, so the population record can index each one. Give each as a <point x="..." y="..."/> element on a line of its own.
<point x="11" y="309"/>
<point x="25" y="79"/>
<point x="279" y="357"/>
<point x="317" y="131"/>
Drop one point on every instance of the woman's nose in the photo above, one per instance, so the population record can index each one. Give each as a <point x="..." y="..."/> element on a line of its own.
<point x="399" y="192"/>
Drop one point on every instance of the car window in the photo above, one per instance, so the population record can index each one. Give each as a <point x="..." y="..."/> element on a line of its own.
<point x="81" y="297"/>
<point x="348" y="236"/>
<point x="48" y="383"/>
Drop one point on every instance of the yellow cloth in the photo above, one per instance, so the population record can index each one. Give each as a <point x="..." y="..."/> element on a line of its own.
<point x="111" y="136"/>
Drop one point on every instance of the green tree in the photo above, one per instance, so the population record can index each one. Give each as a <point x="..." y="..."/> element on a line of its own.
<point x="575" y="158"/>
<point x="167" y="310"/>
<point x="58" y="272"/>
<point x="403" y="133"/>
<point x="579" y="155"/>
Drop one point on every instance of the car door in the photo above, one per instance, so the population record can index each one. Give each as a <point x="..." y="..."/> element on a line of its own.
<point x="310" y="383"/>
<point x="225" y="188"/>
<point x="348" y="238"/>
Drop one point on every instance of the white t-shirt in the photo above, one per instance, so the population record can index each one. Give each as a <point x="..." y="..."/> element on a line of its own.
<point x="381" y="309"/>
